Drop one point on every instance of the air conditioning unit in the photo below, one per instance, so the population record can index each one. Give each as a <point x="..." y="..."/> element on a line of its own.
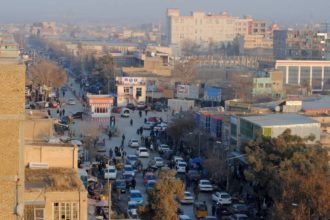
<point x="34" y="165"/>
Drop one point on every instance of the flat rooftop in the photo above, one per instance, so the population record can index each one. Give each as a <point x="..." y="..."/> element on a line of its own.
<point x="53" y="179"/>
<point x="279" y="120"/>
<point x="322" y="103"/>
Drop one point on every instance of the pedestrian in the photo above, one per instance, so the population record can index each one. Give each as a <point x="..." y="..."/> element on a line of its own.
<point x="133" y="183"/>
<point x="145" y="120"/>
<point x="131" y="122"/>
<point x="138" y="131"/>
<point x="63" y="112"/>
<point x="48" y="112"/>
<point x="110" y="153"/>
<point x="213" y="209"/>
<point x="110" y="135"/>
<point x="141" y="130"/>
<point x="146" y="111"/>
<point x="123" y="137"/>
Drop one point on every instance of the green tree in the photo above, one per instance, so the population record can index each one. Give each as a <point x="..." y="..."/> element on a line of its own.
<point x="291" y="174"/>
<point x="162" y="203"/>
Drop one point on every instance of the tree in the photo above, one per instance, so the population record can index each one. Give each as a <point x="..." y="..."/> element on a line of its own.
<point x="105" y="68"/>
<point x="185" y="71"/>
<point x="90" y="133"/>
<point x="217" y="166"/>
<point x="162" y="204"/>
<point x="46" y="74"/>
<point x="292" y="176"/>
<point x="181" y="126"/>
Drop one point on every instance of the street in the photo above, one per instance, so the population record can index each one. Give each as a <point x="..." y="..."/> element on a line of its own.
<point x="124" y="127"/>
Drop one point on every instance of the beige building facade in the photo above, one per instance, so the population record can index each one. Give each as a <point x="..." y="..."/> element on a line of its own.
<point x="12" y="78"/>
<point x="209" y="28"/>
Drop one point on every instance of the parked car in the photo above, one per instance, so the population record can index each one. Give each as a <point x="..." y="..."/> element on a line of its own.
<point x="194" y="175"/>
<point x="205" y="186"/>
<point x="184" y="217"/>
<point x="131" y="158"/>
<point x="142" y="152"/>
<point x="160" y="126"/>
<point x="125" y="113"/>
<point x="141" y="105"/>
<point x="120" y="184"/>
<point x="148" y="125"/>
<point x="128" y="179"/>
<point x="136" y="196"/>
<point x="130" y="106"/>
<point x="181" y="167"/>
<point x="240" y="208"/>
<point x="159" y="162"/>
<point x="200" y="210"/>
<point x="77" y="115"/>
<point x="148" y="176"/>
<point x="178" y="159"/>
<point x="150" y="184"/>
<point x="134" y="143"/>
<point x="132" y="210"/>
<point x="116" y="109"/>
<point x="110" y="172"/>
<point x="71" y="102"/>
<point x="188" y="198"/>
<point x="210" y="218"/>
<point x="238" y="217"/>
<point x="163" y="148"/>
<point x="221" y="198"/>
<point x="128" y="169"/>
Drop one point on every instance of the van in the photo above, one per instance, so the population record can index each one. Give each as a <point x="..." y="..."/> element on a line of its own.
<point x="125" y="113"/>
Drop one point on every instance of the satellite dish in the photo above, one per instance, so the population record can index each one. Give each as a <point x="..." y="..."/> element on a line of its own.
<point x="277" y="109"/>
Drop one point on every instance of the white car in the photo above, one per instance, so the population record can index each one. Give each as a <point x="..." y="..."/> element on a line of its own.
<point x="110" y="172"/>
<point x="128" y="170"/>
<point x="160" y="127"/>
<point x="177" y="159"/>
<point x="188" y="198"/>
<point x="142" y="152"/>
<point x="71" y="102"/>
<point x="222" y="198"/>
<point x="181" y="167"/>
<point x="148" y="125"/>
<point x="159" y="161"/>
<point x="132" y="210"/>
<point x="205" y="186"/>
<point x="134" y="143"/>
<point x="163" y="148"/>
<point x="184" y="217"/>
<point x="131" y="158"/>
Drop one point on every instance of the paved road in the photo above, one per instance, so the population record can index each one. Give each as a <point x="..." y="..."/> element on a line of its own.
<point x="123" y="125"/>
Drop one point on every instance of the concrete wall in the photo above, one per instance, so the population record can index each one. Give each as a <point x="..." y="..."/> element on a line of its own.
<point x="65" y="156"/>
<point x="49" y="198"/>
<point x="12" y="78"/>
<point x="38" y="129"/>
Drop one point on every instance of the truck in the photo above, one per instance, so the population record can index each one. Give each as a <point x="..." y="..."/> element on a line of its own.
<point x="178" y="105"/>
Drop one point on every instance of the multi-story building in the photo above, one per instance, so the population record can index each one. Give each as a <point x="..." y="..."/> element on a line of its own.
<point x="268" y="83"/>
<point x="300" y="44"/>
<point x="207" y="28"/>
<point x="308" y="73"/>
<point x="12" y="113"/>
<point x="130" y="90"/>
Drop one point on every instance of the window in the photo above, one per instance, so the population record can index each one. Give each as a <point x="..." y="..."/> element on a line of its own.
<point x="39" y="213"/>
<point x="138" y="92"/>
<point x="65" y="211"/>
<point x="101" y="110"/>
<point x="293" y="75"/>
<point x="126" y="90"/>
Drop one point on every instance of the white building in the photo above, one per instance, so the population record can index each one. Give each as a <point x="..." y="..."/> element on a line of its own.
<point x="100" y="106"/>
<point x="131" y="90"/>
<point x="206" y="28"/>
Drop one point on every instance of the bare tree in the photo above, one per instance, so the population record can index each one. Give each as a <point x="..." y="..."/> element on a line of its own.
<point x="90" y="133"/>
<point x="185" y="71"/>
<point x="46" y="74"/>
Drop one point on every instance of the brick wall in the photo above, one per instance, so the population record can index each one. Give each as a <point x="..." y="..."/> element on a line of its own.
<point x="12" y="85"/>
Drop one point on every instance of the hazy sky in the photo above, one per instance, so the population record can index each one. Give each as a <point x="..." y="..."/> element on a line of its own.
<point x="143" y="11"/>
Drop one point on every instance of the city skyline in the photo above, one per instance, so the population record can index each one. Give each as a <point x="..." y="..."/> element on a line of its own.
<point x="145" y="11"/>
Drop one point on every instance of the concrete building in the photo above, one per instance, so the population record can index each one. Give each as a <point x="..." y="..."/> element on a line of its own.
<point x="300" y="44"/>
<point x="100" y="106"/>
<point x="12" y="111"/>
<point x="273" y="125"/>
<point x="131" y="90"/>
<point x="255" y="45"/>
<point x="207" y="28"/>
<point x="268" y="83"/>
<point x="38" y="126"/>
<point x="312" y="74"/>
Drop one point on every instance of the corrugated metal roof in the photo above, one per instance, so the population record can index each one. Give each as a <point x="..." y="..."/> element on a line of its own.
<point x="279" y="120"/>
<point x="323" y="103"/>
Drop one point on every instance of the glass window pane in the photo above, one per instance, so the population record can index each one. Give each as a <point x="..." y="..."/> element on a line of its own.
<point x="317" y="78"/>
<point x="304" y="76"/>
